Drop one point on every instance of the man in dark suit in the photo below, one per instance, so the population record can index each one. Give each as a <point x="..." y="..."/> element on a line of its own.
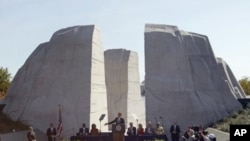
<point x="83" y="130"/>
<point x="118" y="121"/>
<point x="175" y="131"/>
<point x="51" y="133"/>
<point x="131" y="130"/>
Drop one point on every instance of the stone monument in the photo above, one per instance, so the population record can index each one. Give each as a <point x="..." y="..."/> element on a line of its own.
<point x="68" y="70"/>
<point x="230" y="80"/>
<point x="183" y="82"/>
<point x="123" y="85"/>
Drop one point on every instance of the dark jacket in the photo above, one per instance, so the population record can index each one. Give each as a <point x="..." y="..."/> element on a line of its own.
<point x="131" y="132"/>
<point x="86" y="131"/>
<point x="50" y="133"/>
<point x="176" y="130"/>
<point x="122" y="121"/>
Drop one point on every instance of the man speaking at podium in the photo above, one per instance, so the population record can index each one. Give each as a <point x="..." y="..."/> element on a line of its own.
<point x="119" y="125"/>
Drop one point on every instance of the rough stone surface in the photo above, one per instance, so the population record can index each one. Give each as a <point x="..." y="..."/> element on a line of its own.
<point x="67" y="70"/>
<point x="123" y="85"/>
<point x="183" y="82"/>
<point x="230" y="80"/>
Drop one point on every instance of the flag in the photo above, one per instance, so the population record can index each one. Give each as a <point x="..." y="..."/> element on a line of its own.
<point x="60" y="126"/>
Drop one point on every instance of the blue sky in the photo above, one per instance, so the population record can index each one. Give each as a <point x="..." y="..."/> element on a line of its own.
<point x="24" y="24"/>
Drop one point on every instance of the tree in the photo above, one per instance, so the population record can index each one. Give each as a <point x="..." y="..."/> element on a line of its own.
<point x="245" y="84"/>
<point x="5" y="77"/>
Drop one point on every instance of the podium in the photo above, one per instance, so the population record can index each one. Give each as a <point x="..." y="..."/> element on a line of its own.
<point x="118" y="131"/>
<point x="118" y="128"/>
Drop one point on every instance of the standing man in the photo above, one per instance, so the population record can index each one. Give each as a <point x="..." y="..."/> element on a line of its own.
<point x="118" y="121"/>
<point x="31" y="134"/>
<point x="51" y="133"/>
<point x="175" y="131"/>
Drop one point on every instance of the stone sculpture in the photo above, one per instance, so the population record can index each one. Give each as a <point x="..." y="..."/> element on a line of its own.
<point x="68" y="70"/>
<point x="123" y="85"/>
<point x="183" y="82"/>
<point x="230" y="80"/>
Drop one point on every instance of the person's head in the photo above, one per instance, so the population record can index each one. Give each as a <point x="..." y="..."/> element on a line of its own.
<point x="190" y="128"/>
<point x="149" y="124"/>
<point x="93" y="126"/>
<point x="175" y="122"/>
<point x="140" y="125"/>
<point x="83" y="125"/>
<point x="51" y="125"/>
<point x="119" y="114"/>
<point x="131" y="124"/>
<point x="30" y="128"/>
<point x="205" y="133"/>
<point x="190" y="133"/>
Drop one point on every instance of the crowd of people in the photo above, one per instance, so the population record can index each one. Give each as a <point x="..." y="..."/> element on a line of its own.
<point x="149" y="130"/>
<point x="197" y="133"/>
<point x="193" y="133"/>
<point x="85" y="131"/>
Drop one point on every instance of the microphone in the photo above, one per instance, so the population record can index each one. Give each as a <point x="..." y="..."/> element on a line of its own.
<point x="102" y="117"/>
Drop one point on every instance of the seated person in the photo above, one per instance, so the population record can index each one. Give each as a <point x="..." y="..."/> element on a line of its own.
<point x="83" y="130"/>
<point x="140" y="130"/>
<point x="159" y="129"/>
<point x="149" y="130"/>
<point x="94" y="131"/>
<point x="131" y="130"/>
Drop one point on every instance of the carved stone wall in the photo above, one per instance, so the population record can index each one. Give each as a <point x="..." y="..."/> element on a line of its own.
<point x="183" y="82"/>
<point x="67" y="70"/>
<point x="123" y="85"/>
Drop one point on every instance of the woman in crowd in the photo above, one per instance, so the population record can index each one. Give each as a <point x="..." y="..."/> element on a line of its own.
<point x="94" y="131"/>
<point x="140" y="130"/>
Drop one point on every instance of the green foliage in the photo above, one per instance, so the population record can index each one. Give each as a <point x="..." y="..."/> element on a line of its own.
<point x="245" y="84"/>
<point x="242" y="117"/>
<point x="7" y="125"/>
<point x="4" y="80"/>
